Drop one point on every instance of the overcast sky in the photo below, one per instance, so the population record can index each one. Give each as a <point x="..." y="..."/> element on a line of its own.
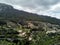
<point x="46" y="7"/>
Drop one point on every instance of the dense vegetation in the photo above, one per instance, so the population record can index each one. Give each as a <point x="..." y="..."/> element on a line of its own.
<point x="9" y="36"/>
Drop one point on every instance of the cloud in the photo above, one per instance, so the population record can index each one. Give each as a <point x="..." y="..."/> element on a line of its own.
<point x="32" y="3"/>
<point x="54" y="11"/>
<point x="45" y="7"/>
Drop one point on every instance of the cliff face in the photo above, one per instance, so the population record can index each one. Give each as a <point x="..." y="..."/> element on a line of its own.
<point x="5" y="7"/>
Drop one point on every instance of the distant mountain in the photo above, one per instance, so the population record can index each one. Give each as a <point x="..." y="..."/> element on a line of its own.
<point x="7" y="12"/>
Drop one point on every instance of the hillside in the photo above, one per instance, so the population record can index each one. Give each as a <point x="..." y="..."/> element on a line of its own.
<point x="9" y="13"/>
<point x="18" y="27"/>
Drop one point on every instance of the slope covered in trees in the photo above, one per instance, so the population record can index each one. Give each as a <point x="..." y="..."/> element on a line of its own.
<point x="9" y="13"/>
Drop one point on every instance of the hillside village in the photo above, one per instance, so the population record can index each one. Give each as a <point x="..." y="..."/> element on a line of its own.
<point x="46" y="26"/>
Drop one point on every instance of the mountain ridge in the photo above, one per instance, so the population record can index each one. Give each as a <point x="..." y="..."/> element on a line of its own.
<point x="9" y="13"/>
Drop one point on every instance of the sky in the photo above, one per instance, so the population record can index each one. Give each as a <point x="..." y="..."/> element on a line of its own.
<point x="41" y="7"/>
